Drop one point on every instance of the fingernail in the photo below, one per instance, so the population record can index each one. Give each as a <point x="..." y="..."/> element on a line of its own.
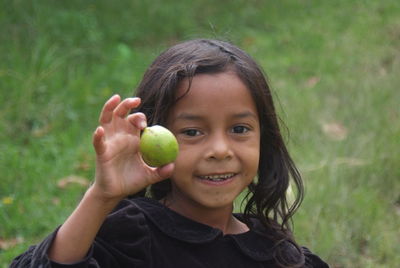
<point x="97" y="130"/>
<point x="143" y="124"/>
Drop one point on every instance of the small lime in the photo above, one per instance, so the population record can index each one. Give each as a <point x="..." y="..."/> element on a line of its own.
<point x="158" y="146"/>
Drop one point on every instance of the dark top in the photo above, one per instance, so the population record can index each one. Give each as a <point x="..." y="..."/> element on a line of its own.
<point x="142" y="232"/>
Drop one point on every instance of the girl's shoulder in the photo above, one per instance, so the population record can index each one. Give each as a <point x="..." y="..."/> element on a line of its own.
<point x="286" y="248"/>
<point x="312" y="260"/>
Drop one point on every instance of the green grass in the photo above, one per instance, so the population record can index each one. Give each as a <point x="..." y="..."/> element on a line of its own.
<point x="329" y="63"/>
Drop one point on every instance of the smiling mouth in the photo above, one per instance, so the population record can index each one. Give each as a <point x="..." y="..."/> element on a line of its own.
<point x="217" y="177"/>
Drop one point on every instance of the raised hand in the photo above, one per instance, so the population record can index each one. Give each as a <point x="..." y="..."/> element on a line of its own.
<point x="120" y="170"/>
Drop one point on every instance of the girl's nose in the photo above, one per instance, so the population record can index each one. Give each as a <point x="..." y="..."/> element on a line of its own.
<point x="219" y="148"/>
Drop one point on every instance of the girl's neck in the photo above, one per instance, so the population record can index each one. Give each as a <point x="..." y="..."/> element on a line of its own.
<point x="219" y="218"/>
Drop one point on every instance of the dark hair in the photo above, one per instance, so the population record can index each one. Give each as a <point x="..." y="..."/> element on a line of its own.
<point x="266" y="198"/>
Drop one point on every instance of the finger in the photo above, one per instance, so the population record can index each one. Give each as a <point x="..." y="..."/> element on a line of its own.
<point x="126" y="106"/>
<point x="138" y="120"/>
<point x="166" y="171"/>
<point x="98" y="141"/>
<point x="108" y="108"/>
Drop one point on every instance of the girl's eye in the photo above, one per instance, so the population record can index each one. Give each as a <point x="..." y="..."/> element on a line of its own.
<point x="191" y="132"/>
<point x="240" y="129"/>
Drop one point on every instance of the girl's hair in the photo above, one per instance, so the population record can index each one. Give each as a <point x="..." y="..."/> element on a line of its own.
<point x="266" y="198"/>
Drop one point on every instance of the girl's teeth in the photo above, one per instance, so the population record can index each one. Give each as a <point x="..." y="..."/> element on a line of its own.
<point x="218" y="177"/>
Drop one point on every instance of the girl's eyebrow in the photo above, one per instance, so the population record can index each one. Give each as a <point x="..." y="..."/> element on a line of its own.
<point x="189" y="117"/>
<point x="245" y="114"/>
<point x="194" y="117"/>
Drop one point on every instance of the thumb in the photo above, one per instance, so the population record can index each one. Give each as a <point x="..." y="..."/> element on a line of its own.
<point x="166" y="171"/>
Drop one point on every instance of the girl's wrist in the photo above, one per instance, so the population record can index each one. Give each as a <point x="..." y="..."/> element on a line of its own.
<point x="100" y="198"/>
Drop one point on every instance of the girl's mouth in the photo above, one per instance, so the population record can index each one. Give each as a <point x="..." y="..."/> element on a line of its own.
<point x="217" y="177"/>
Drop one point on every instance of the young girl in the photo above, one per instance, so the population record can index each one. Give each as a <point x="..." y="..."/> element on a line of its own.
<point x="215" y="99"/>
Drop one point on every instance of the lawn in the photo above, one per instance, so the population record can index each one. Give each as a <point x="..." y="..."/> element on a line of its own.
<point x="332" y="66"/>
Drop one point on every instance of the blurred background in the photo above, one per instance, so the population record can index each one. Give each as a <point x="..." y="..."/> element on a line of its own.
<point x="333" y="67"/>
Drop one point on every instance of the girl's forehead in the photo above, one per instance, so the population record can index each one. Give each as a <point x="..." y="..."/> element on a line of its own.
<point x="209" y="85"/>
<point x="212" y="92"/>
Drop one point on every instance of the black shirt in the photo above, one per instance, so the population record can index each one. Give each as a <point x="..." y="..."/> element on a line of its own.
<point x="141" y="232"/>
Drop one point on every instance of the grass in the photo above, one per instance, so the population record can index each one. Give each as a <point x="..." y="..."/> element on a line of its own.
<point x="333" y="66"/>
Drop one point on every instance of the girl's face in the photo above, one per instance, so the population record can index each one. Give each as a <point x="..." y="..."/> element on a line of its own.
<point x="217" y="126"/>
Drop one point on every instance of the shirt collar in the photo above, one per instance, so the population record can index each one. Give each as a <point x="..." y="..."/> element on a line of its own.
<point x="251" y="243"/>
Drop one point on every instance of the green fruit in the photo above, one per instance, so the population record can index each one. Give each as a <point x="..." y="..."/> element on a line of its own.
<point x="158" y="146"/>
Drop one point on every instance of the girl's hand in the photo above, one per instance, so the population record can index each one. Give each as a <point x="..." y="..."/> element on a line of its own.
<point x="120" y="170"/>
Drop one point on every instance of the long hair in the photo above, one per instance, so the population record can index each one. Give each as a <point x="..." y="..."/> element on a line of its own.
<point x="266" y="198"/>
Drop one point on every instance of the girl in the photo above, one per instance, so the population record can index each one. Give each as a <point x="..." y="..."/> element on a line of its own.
<point x="215" y="99"/>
